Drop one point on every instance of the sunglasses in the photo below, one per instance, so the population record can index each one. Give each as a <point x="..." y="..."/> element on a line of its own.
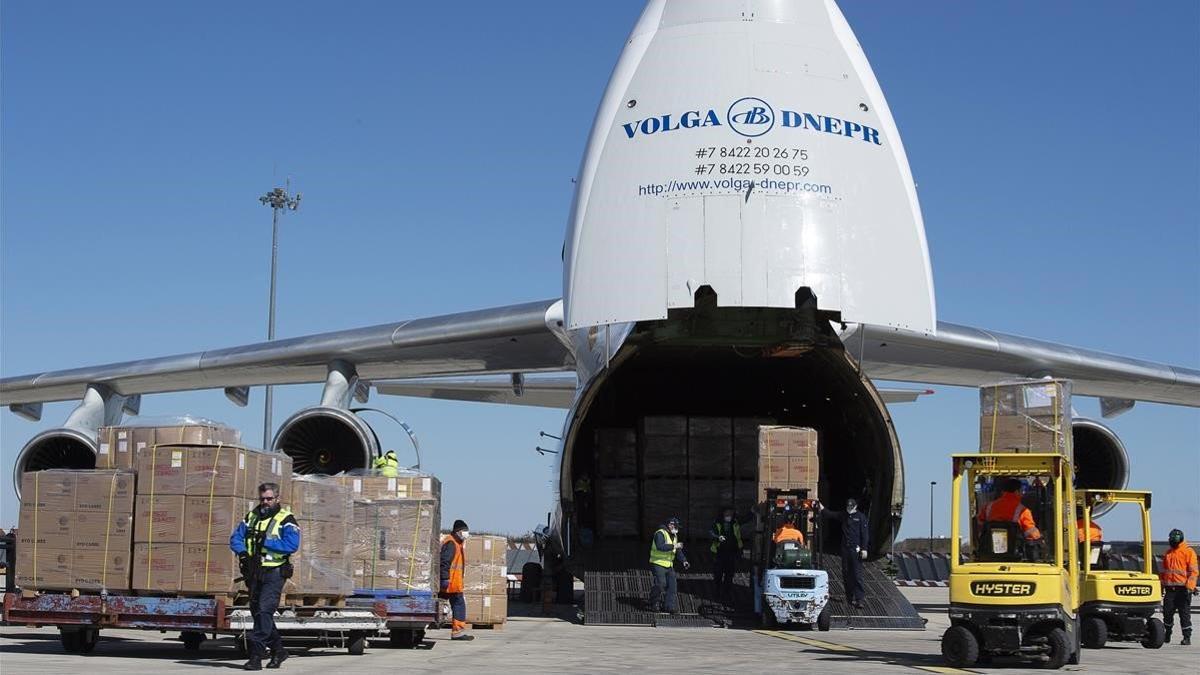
<point x="266" y="499"/>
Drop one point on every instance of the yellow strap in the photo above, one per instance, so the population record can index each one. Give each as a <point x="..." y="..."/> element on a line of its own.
<point x="150" y="515"/>
<point x="212" y="485"/>
<point x="412" y="556"/>
<point x="37" y="489"/>
<point x="112" y="490"/>
<point x="995" y="416"/>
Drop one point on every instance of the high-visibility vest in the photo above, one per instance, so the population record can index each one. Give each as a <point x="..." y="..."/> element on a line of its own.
<point x="1093" y="531"/>
<point x="458" y="565"/>
<point x="663" y="558"/>
<point x="388" y="465"/>
<point x="265" y="528"/>
<point x="788" y="533"/>
<point x="737" y="535"/>
<point x="1179" y="568"/>
<point x="1008" y="507"/>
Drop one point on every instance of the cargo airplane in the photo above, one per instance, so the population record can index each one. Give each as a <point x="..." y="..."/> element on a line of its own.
<point x="745" y="240"/>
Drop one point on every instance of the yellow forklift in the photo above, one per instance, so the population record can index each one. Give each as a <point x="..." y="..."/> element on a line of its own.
<point x="1116" y="604"/>
<point x="1014" y="592"/>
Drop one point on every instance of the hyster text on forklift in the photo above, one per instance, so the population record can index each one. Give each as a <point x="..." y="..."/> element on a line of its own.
<point x="788" y="586"/>
<point x="1014" y="593"/>
<point x="1115" y="604"/>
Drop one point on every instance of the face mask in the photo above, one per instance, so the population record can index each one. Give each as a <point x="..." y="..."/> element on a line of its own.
<point x="673" y="530"/>
<point x="852" y="509"/>
<point x="463" y="534"/>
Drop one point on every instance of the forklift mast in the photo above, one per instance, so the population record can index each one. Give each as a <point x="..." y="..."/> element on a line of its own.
<point x="779" y="507"/>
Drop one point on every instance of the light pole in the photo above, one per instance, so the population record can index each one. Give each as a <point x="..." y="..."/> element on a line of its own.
<point x="279" y="200"/>
<point x="931" y="484"/>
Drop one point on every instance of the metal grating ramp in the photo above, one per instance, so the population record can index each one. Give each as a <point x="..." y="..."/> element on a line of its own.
<point x="886" y="608"/>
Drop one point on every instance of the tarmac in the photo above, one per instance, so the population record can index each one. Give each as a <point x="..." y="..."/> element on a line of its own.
<point x="561" y="644"/>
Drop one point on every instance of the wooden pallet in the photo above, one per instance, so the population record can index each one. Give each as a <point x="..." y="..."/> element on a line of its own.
<point x="309" y="600"/>
<point x="499" y="625"/>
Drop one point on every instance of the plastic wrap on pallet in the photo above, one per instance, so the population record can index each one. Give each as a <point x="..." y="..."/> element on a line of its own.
<point x="486" y="608"/>
<point x="119" y="446"/>
<point x="618" y="507"/>
<point x="710" y="447"/>
<point x="394" y="538"/>
<point x="1026" y="416"/>
<point x="323" y="509"/>
<point x="616" y="452"/>
<point x="788" y="458"/>
<point x="212" y="471"/>
<point x="486" y="570"/>
<point x="74" y="530"/>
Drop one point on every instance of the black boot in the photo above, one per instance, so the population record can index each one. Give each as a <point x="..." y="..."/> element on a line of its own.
<point x="1187" y="640"/>
<point x="277" y="658"/>
<point x="255" y="663"/>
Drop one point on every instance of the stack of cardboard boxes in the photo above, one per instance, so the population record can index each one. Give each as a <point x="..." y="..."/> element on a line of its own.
<point x="485" y="579"/>
<point x="394" y="534"/>
<point x="1026" y="416"/>
<point x="190" y="498"/>
<point x="120" y="445"/>
<point x="615" y="487"/>
<point x="74" y="530"/>
<point x="323" y="508"/>
<point x="788" y="459"/>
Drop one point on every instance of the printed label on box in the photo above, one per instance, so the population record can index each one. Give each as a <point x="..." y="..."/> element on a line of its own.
<point x="241" y="461"/>
<point x="104" y="448"/>
<point x="426" y="484"/>
<point x="358" y="485"/>
<point x="122" y="445"/>
<point x="176" y="459"/>
<point x="487" y="544"/>
<point x="391" y="485"/>
<point x="141" y="445"/>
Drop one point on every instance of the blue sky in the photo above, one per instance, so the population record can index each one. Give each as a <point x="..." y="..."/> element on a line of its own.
<point x="1055" y="146"/>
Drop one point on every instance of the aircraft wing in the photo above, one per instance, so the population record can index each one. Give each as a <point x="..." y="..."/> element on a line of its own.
<point x="971" y="357"/>
<point x="497" y="340"/>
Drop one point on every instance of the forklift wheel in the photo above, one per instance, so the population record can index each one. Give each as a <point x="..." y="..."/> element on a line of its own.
<point x="356" y="642"/>
<point x="1060" y="649"/>
<point x="823" y="619"/>
<point x="1095" y="632"/>
<point x="1156" y="634"/>
<point x="959" y="647"/>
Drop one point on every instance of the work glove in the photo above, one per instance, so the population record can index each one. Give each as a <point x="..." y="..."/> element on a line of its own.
<point x="687" y="565"/>
<point x="678" y="545"/>
<point x="862" y="554"/>
<point x="244" y="563"/>
<point x="1196" y="591"/>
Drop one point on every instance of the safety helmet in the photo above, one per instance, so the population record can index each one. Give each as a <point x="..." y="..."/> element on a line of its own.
<point x="1176" y="537"/>
<point x="391" y="454"/>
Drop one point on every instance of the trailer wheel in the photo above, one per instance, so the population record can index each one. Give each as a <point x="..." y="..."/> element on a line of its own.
<point x="959" y="647"/>
<point x="1095" y="632"/>
<point x="406" y="638"/>
<point x="823" y="619"/>
<point x="71" y="640"/>
<point x="192" y="640"/>
<point x="1156" y="634"/>
<point x="356" y="642"/>
<point x="242" y="645"/>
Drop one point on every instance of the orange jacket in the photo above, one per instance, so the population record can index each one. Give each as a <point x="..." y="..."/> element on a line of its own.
<point x="452" y="575"/>
<point x="788" y="533"/>
<point x="1094" y="532"/>
<point x="1008" y="507"/>
<point x="1179" y="567"/>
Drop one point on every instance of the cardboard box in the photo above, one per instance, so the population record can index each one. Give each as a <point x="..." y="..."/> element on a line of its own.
<point x="1026" y="416"/>
<point x="159" y="519"/>
<point x="616" y="453"/>
<point x="95" y="570"/>
<point x="157" y="567"/>
<point x="664" y="456"/>
<point x="662" y="499"/>
<point x="706" y="500"/>
<point x="710" y="456"/>
<point x="378" y="574"/>
<point x="320" y="576"/>
<point x="788" y="458"/>
<point x="486" y="609"/>
<point x="209" y="568"/>
<point x="486" y="565"/>
<point x="212" y="520"/>
<point x="402" y="531"/>
<point x="664" y="425"/>
<point x="405" y="486"/>
<point x="49" y="568"/>
<point x="104" y="491"/>
<point x="618" y="507"/>
<point x="324" y="540"/>
<point x="321" y="499"/>
<point x="1018" y="433"/>
<point x="100" y="532"/>
<point x="274" y="467"/>
<point x="119" y="446"/>
<point x="41" y="529"/>
<point x="196" y="470"/>
<point x="52" y="490"/>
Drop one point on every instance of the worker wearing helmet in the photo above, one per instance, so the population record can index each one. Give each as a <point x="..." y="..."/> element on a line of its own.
<point x="664" y="549"/>
<point x="1178" y="573"/>
<point x="388" y="464"/>
<point x="1008" y="507"/>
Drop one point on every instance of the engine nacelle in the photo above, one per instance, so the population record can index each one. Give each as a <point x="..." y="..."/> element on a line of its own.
<point x="60" y="448"/>
<point x="1100" y="458"/>
<point x="326" y="439"/>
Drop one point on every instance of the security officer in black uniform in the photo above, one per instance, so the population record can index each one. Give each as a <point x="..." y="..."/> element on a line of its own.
<point x="854" y="549"/>
<point x="264" y="542"/>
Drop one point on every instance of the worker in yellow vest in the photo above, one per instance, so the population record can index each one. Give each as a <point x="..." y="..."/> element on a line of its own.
<point x="264" y="542"/>
<point x="388" y="464"/>
<point x="664" y="549"/>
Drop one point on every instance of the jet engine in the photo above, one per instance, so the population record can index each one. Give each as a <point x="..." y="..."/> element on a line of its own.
<point x="1100" y="458"/>
<point x="60" y="448"/>
<point x="326" y="439"/>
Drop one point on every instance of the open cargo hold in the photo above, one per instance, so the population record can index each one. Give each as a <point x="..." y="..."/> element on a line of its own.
<point x="74" y="531"/>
